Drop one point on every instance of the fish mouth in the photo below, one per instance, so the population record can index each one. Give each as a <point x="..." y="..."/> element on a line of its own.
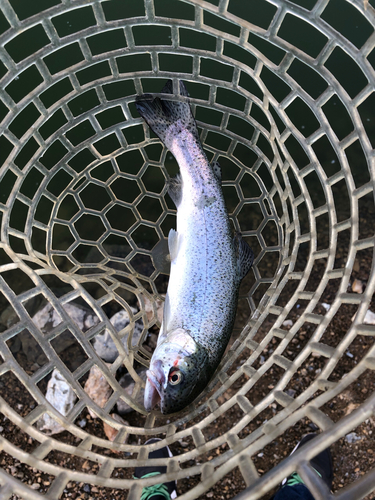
<point x="152" y="390"/>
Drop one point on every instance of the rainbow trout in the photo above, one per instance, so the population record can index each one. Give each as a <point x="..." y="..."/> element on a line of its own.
<point x="207" y="263"/>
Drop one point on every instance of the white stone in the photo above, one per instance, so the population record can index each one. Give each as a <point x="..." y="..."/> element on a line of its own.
<point x="48" y="317"/>
<point x="104" y="344"/>
<point x="369" y="318"/>
<point x="62" y="397"/>
<point x="288" y="322"/>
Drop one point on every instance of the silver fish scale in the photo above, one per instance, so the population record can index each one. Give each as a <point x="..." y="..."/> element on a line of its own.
<point x="204" y="279"/>
<point x="206" y="268"/>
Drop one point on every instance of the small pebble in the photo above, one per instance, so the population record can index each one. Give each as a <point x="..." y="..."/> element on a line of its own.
<point x="35" y="486"/>
<point x="357" y="286"/>
<point x="369" y="318"/>
<point x="288" y="322"/>
<point x="82" y="423"/>
<point x="352" y="437"/>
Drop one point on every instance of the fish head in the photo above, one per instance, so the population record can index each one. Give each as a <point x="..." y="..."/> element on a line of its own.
<point x="178" y="373"/>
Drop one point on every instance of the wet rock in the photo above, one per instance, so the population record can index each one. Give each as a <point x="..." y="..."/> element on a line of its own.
<point x="62" y="397"/>
<point x="30" y="348"/>
<point x="127" y="383"/>
<point x="97" y="388"/>
<point x="104" y="344"/>
<point x="8" y="318"/>
<point x="152" y="341"/>
<point x="150" y="311"/>
<point x="111" y="432"/>
<point x="48" y="318"/>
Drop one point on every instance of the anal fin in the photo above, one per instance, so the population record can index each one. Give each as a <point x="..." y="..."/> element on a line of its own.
<point x="166" y="319"/>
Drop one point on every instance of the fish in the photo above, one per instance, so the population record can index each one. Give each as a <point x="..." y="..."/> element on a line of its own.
<point x="207" y="262"/>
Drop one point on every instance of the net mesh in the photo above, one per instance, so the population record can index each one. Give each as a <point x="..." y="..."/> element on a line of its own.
<point x="282" y="93"/>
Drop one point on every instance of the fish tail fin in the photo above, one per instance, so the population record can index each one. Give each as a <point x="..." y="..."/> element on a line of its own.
<point x="166" y="118"/>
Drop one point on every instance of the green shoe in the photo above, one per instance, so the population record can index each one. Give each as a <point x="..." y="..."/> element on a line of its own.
<point x="160" y="491"/>
<point x="322" y="464"/>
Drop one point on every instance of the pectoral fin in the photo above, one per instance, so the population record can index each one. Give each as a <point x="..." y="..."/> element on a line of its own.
<point x="173" y="242"/>
<point x="166" y="320"/>
<point x="244" y="254"/>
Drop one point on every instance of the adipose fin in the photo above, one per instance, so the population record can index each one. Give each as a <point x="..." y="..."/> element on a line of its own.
<point x="244" y="254"/>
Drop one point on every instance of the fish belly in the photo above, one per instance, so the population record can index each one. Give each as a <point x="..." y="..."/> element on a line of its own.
<point x="202" y="289"/>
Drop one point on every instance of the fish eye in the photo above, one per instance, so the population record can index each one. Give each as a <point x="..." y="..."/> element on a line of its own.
<point x="175" y="377"/>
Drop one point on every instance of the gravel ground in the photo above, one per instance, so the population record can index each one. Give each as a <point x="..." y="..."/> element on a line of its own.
<point x="353" y="456"/>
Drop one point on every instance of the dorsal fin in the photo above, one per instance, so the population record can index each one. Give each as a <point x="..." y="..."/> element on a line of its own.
<point x="175" y="189"/>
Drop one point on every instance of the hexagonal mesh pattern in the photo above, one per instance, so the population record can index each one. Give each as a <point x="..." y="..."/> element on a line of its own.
<point x="281" y="94"/>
